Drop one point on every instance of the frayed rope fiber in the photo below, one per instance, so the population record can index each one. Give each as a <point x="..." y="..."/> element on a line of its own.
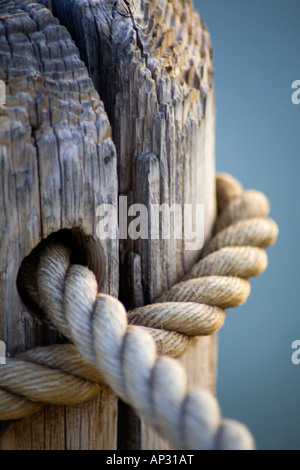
<point x="127" y="350"/>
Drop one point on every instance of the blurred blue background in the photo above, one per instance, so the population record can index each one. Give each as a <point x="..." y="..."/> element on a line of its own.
<point x="256" y="46"/>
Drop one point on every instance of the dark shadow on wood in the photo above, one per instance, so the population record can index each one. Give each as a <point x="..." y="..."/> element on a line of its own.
<point x="129" y="428"/>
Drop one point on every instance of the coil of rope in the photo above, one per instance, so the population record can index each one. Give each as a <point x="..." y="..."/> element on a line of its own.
<point x="126" y="350"/>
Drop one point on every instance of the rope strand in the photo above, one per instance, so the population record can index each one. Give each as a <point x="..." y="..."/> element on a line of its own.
<point x="125" y="356"/>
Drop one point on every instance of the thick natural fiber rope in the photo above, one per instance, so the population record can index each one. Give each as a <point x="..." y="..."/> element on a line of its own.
<point x="125" y="355"/>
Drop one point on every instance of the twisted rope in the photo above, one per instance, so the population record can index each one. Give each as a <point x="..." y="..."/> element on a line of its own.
<point x="125" y="355"/>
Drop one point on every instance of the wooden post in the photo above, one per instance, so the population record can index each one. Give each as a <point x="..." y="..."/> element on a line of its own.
<point x="58" y="163"/>
<point x="151" y="63"/>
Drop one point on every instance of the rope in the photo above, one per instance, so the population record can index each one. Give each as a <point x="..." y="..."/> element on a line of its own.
<point x="124" y="356"/>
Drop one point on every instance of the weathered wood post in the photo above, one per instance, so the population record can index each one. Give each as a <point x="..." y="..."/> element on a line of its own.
<point x="58" y="163"/>
<point x="151" y="63"/>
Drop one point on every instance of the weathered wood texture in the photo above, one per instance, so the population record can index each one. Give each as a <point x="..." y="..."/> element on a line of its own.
<point x="151" y="62"/>
<point x="58" y="163"/>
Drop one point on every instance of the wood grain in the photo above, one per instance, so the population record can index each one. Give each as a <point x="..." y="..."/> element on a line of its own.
<point x="151" y="62"/>
<point x="58" y="163"/>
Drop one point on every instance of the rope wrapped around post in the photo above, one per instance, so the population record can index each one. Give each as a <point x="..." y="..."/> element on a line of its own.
<point x="109" y="350"/>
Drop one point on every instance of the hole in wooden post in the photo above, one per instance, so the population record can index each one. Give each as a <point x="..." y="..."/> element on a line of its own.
<point x="85" y="250"/>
